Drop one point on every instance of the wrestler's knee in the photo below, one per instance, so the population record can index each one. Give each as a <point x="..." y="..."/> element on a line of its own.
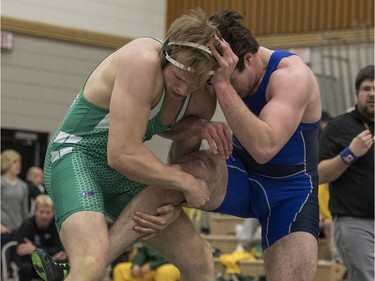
<point x="212" y="169"/>
<point x="205" y="165"/>
<point x="90" y="264"/>
<point x="199" y="261"/>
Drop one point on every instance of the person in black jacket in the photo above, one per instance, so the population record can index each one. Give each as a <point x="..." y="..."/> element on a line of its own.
<point x="346" y="155"/>
<point x="38" y="231"/>
<point x="35" y="181"/>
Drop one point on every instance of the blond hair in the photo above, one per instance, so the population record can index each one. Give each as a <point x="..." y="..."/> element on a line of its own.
<point x="43" y="200"/>
<point x="193" y="28"/>
<point x="8" y="157"/>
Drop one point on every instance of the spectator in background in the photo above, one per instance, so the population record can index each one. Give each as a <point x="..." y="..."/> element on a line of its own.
<point x="146" y="265"/>
<point x="38" y="231"/>
<point x="325" y="223"/>
<point x="326" y="117"/>
<point x="347" y="163"/>
<point x="14" y="196"/>
<point x="34" y="178"/>
<point x="249" y="234"/>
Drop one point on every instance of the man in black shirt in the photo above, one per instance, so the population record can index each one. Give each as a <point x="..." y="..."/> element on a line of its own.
<point x="35" y="181"/>
<point x="346" y="155"/>
<point x="38" y="231"/>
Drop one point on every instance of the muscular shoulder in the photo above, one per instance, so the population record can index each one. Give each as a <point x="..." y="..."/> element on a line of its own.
<point x="139" y="57"/>
<point x="140" y="65"/>
<point x="292" y="77"/>
<point x="293" y="69"/>
<point x="138" y="52"/>
<point x="124" y="67"/>
<point x="295" y="82"/>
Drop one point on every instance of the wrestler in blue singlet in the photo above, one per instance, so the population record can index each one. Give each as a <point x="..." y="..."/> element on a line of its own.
<point x="282" y="193"/>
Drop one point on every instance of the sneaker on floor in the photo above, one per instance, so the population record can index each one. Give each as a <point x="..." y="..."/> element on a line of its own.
<point x="47" y="268"/>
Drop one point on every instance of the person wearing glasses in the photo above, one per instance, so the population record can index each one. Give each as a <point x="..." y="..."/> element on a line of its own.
<point x="346" y="155"/>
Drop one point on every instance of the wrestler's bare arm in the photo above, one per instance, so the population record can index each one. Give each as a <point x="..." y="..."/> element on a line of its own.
<point x="289" y="93"/>
<point x="130" y="106"/>
<point x="196" y="126"/>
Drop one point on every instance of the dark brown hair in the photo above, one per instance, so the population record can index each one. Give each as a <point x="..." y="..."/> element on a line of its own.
<point x="239" y="37"/>
<point x="366" y="73"/>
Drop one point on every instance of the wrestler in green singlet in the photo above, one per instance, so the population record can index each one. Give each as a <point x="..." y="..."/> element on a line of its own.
<point x="77" y="155"/>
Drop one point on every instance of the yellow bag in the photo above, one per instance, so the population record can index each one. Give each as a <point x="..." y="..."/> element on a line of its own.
<point x="231" y="260"/>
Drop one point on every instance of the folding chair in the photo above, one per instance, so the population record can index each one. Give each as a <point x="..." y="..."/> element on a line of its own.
<point x="8" y="263"/>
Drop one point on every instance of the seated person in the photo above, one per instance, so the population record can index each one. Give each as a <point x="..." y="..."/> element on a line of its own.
<point x="146" y="265"/>
<point x="325" y="223"/>
<point x="38" y="231"/>
<point x="35" y="181"/>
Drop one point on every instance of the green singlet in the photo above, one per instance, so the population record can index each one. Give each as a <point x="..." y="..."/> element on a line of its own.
<point x="77" y="175"/>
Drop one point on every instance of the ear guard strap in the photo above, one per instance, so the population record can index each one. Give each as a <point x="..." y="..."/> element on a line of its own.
<point x="167" y="51"/>
<point x="191" y="44"/>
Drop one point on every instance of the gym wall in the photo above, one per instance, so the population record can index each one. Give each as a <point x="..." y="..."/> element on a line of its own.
<point x="56" y="44"/>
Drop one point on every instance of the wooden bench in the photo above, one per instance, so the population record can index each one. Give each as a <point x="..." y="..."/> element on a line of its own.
<point x="225" y="243"/>
<point x="228" y="243"/>
<point x="326" y="271"/>
<point x="224" y="224"/>
<point x="323" y="250"/>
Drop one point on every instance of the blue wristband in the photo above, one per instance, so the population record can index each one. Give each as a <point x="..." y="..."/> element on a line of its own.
<point x="348" y="156"/>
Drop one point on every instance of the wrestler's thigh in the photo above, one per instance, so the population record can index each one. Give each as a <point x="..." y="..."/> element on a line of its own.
<point x="205" y="165"/>
<point x="284" y="205"/>
<point x="74" y="187"/>
<point x="238" y="190"/>
<point x="84" y="235"/>
<point x="115" y="203"/>
<point x="183" y="246"/>
<point x="292" y="258"/>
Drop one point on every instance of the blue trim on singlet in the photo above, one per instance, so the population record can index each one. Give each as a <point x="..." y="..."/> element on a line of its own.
<point x="283" y="193"/>
<point x="257" y="101"/>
